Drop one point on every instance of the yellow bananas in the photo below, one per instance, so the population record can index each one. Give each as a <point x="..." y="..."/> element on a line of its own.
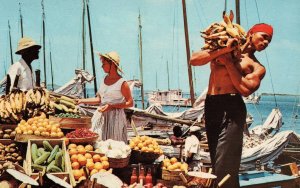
<point x="18" y="105"/>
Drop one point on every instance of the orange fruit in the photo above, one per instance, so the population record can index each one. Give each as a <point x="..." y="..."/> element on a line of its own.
<point x="88" y="156"/>
<point x="94" y="171"/>
<point x="105" y="164"/>
<point x="104" y="158"/>
<point x="96" y="158"/>
<point x="82" y="160"/>
<point x="173" y="160"/>
<point x="74" y="158"/>
<point x="75" y="165"/>
<point x="98" y="166"/>
<point x="89" y="147"/>
<point x="90" y="165"/>
<point x="79" y="146"/>
<point x="73" y="151"/>
<point x="81" y="151"/>
<point x="77" y="174"/>
<point x="89" y="161"/>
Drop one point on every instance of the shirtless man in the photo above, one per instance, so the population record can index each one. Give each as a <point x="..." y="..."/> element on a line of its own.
<point x="225" y="111"/>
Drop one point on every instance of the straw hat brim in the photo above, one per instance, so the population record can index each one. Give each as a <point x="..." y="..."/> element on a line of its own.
<point x="112" y="60"/>
<point x="22" y="50"/>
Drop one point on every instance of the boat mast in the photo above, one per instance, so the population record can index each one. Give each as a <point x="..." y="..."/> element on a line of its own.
<point x="21" y="20"/>
<point x="83" y="43"/>
<point x="44" y="46"/>
<point x="168" y="73"/>
<point x="188" y="52"/>
<point x="51" y="68"/>
<point x="91" y="45"/>
<point x="141" y="60"/>
<point x="10" y="46"/>
<point x="237" y="9"/>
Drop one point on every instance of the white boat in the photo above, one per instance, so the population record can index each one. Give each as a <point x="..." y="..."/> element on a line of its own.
<point x="168" y="98"/>
<point x="253" y="98"/>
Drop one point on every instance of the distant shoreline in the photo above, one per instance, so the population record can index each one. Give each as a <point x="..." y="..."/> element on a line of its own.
<point x="280" y="94"/>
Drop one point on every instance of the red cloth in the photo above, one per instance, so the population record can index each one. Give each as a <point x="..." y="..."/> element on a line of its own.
<point x="262" y="27"/>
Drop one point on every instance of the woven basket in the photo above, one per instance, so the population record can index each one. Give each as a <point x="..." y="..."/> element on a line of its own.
<point x="143" y="157"/>
<point x="171" y="175"/>
<point x="118" y="163"/>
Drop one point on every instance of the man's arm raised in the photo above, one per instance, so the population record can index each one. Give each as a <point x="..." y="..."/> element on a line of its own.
<point x="248" y="84"/>
<point x="205" y="56"/>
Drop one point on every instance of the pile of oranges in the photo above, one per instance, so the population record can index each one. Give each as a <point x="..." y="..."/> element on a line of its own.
<point x="39" y="126"/>
<point x="174" y="165"/>
<point x="80" y="157"/>
<point x="145" y="144"/>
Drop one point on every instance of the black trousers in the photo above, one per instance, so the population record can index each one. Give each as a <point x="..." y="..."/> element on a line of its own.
<point x="225" y="116"/>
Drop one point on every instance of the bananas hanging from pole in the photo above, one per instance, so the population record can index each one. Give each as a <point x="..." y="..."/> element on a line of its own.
<point x="217" y="34"/>
<point x="18" y="105"/>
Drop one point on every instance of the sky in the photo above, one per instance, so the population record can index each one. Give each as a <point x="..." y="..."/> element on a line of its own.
<point x="114" y="26"/>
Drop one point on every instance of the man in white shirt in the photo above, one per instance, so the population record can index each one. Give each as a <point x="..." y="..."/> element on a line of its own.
<point x="22" y="70"/>
<point x="192" y="148"/>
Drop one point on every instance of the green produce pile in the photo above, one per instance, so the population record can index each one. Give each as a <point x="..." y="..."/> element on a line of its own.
<point x="67" y="115"/>
<point x="47" y="158"/>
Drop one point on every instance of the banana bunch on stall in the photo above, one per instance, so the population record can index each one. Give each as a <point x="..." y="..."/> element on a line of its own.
<point x="18" y="105"/>
<point x="38" y="101"/>
<point x="63" y="104"/>
<point x="217" y="34"/>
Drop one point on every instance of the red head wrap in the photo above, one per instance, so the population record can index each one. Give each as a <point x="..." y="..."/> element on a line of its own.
<point x="262" y="27"/>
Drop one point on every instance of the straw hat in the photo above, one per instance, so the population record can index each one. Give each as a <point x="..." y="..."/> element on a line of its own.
<point x="26" y="43"/>
<point x="113" y="57"/>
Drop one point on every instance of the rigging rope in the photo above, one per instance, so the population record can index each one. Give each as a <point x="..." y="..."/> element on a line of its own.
<point x="276" y="104"/>
<point x="246" y="14"/>
<point x="257" y="11"/>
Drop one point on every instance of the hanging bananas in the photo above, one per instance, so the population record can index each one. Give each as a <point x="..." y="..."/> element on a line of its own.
<point x="217" y="34"/>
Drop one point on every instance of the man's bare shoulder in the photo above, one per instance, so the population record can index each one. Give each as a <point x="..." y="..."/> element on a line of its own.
<point x="250" y="62"/>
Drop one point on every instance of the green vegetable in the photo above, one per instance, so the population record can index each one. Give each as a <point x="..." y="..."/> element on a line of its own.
<point x="53" y="153"/>
<point x="54" y="168"/>
<point x="38" y="167"/>
<point x="58" y="159"/>
<point x="47" y="146"/>
<point x="34" y="152"/>
<point x="42" y="158"/>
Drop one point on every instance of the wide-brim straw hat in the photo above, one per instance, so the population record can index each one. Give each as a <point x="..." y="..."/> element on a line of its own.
<point x="26" y="43"/>
<point x="113" y="57"/>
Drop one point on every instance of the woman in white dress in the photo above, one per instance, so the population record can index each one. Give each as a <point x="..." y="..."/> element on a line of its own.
<point x="114" y="94"/>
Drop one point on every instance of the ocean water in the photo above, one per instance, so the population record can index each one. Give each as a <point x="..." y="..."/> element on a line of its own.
<point x="289" y="106"/>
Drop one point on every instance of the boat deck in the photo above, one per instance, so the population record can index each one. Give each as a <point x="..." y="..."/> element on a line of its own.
<point x="263" y="179"/>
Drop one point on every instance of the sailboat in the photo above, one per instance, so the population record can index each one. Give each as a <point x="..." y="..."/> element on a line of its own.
<point x="253" y="98"/>
<point x="174" y="97"/>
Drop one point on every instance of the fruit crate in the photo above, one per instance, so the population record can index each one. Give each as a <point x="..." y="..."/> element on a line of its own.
<point x="66" y="175"/>
<point x="72" y="123"/>
<point x="171" y="175"/>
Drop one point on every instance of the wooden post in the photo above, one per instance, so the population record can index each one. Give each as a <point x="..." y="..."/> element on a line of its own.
<point x="141" y="61"/>
<point x="237" y="9"/>
<point x="190" y="74"/>
<point x="92" y="47"/>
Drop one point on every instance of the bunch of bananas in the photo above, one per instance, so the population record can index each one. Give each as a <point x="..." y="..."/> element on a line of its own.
<point x="63" y="104"/>
<point x="19" y="105"/>
<point x="217" y="34"/>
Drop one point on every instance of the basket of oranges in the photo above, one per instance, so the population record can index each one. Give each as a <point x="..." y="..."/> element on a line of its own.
<point x="38" y="127"/>
<point x="171" y="168"/>
<point x="84" y="157"/>
<point x="144" y="149"/>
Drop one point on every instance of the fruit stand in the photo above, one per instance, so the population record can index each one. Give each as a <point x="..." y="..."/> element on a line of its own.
<point x="46" y="136"/>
